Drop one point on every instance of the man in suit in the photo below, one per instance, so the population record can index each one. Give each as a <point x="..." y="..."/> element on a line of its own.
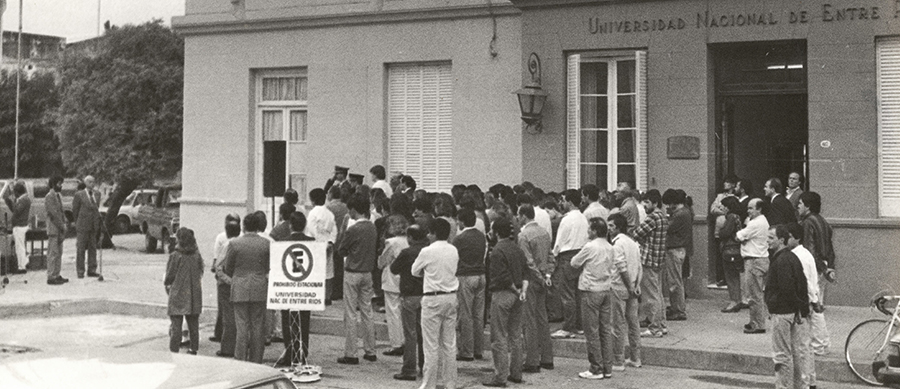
<point x="56" y="231"/>
<point x="340" y="176"/>
<point x="247" y="264"/>
<point x="85" y="209"/>
<point x="793" y="191"/>
<point x="780" y="209"/>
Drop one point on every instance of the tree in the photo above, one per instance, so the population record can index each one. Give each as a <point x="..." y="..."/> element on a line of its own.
<point x="38" y="146"/>
<point x="120" y="112"/>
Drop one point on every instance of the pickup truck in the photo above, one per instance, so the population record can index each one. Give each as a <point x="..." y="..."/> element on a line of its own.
<point x="159" y="218"/>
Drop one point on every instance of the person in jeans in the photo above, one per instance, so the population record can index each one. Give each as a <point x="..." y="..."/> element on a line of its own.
<point x="678" y="239"/>
<point x="626" y="294"/>
<point x="358" y="247"/>
<point x="471" y="246"/>
<point x="182" y="282"/>
<point x="411" y="302"/>
<point x="651" y="234"/>
<point x="535" y="242"/>
<point x="437" y="264"/>
<point x="595" y="287"/>
<point x="508" y="291"/>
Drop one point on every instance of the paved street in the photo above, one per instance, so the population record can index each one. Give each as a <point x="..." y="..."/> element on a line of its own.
<point x="73" y="315"/>
<point x="143" y="334"/>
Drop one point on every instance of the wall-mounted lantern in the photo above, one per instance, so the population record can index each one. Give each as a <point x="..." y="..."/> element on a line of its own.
<point x="532" y="97"/>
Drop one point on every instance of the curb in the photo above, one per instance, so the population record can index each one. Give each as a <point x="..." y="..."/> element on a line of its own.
<point x="830" y="369"/>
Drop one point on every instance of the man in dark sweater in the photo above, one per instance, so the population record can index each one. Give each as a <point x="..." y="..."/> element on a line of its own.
<point x="411" y="302"/>
<point x="678" y="238"/>
<point x="508" y="290"/>
<point x="358" y="247"/>
<point x="471" y="245"/>
<point x="788" y="302"/>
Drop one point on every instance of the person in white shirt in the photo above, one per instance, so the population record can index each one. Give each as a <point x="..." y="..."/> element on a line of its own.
<point x="755" y="251"/>
<point x="541" y="216"/>
<point x="626" y="295"/>
<point x="591" y="193"/>
<point x="795" y="232"/>
<point x="320" y="225"/>
<point x="571" y="237"/>
<point x="437" y="265"/>
<point x="378" y="180"/>
<point x="390" y="283"/>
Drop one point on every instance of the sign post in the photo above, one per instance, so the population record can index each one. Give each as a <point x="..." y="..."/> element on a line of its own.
<point x="297" y="283"/>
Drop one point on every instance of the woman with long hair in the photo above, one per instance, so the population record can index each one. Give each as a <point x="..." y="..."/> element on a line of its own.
<point x="182" y="283"/>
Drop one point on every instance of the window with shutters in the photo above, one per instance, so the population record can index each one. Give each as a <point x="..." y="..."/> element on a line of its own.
<point x="281" y="112"/>
<point x="606" y="119"/>
<point x="420" y="138"/>
<point x="888" y="59"/>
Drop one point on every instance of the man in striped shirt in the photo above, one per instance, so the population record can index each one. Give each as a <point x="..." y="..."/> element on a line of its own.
<point x="651" y="234"/>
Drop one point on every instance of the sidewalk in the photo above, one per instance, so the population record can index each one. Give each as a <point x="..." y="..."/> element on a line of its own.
<point x="132" y="285"/>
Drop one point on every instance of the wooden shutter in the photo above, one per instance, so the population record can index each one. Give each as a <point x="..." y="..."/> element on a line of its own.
<point x="573" y="123"/>
<point x="641" y="120"/>
<point x="420" y="137"/>
<point x="888" y="53"/>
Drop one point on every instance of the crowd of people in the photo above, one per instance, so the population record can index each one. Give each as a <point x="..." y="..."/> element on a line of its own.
<point x="610" y="266"/>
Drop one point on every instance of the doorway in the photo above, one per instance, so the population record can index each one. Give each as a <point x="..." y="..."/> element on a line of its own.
<point x="762" y="125"/>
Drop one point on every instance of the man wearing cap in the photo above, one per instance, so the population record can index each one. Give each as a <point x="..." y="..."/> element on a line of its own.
<point x="340" y="175"/>
<point x="355" y="180"/>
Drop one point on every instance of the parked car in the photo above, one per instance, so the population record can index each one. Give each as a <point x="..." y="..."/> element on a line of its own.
<point x="127" y="218"/>
<point x="159" y="218"/>
<point x="22" y="367"/>
<point x="38" y="188"/>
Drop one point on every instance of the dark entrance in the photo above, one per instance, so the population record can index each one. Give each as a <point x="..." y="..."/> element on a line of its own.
<point x="761" y="114"/>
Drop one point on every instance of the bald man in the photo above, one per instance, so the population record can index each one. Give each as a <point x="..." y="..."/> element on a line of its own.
<point x="86" y="211"/>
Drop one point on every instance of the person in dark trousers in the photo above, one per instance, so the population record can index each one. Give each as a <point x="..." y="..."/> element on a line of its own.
<point x="508" y="291"/>
<point x="780" y="210"/>
<point x="358" y="246"/>
<point x="87" y="224"/>
<point x="56" y="231"/>
<point x="247" y="263"/>
<point x="295" y="322"/>
<point x="182" y="282"/>
<point x="678" y="237"/>
<point x="788" y="303"/>
<point x="411" y="303"/>
<point x="224" y="330"/>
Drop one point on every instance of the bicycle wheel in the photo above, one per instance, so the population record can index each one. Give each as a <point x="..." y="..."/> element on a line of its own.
<point x="865" y="346"/>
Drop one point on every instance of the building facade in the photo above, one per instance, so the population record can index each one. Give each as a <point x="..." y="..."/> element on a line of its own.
<point x="667" y="94"/>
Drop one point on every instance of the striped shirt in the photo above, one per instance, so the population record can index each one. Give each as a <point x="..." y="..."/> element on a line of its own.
<point x="651" y="234"/>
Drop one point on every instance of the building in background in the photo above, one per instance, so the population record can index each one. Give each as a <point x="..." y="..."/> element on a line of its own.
<point x="665" y="94"/>
<point x="40" y="53"/>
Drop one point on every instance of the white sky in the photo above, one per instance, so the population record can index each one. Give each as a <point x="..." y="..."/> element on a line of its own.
<point x="77" y="19"/>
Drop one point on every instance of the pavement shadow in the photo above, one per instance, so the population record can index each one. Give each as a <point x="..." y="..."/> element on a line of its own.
<point x="735" y="382"/>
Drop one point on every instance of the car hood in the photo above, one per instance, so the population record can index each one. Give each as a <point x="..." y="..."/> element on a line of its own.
<point x="119" y="368"/>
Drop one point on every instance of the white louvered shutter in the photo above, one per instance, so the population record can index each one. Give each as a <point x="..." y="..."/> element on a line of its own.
<point x="420" y="137"/>
<point x="573" y="123"/>
<point x="641" y="88"/>
<point x="888" y="53"/>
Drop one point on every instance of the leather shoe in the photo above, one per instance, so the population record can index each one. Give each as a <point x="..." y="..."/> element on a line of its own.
<point x="348" y="360"/>
<point x="748" y="326"/>
<point x="676" y="317"/>
<point x="370" y="357"/>
<point x="492" y="384"/>
<point x="464" y="359"/>
<point x="547" y="366"/>
<point x="732" y="308"/>
<point x="394" y="352"/>
<point x="404" y="377"/>
<point x="743" y="306"/>
<point x="93" y="274"/>
<point x="531" y="369"/>
<point x="224" y="355"/>
<point x="80" y="275"/>
<point x="479" y="357"/>
<point x="55" y="281"/>
<point x="514" y="380"/>
<point x="18" y="271"/>
<point x="215" y="339"/>
<point x="755" y="331"/>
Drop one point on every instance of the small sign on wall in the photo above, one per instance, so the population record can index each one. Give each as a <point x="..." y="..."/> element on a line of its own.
<point x="683" y="147"/>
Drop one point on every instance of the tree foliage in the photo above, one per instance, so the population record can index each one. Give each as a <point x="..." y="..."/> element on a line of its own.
<point x="38" y="146"/>
<point x="120" y="111"/>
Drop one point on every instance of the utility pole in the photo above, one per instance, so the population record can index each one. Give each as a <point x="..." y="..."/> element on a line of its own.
<point x="18" y="91"/>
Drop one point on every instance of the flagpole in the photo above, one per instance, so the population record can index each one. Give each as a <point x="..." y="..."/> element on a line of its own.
<point x="18" y="91"/>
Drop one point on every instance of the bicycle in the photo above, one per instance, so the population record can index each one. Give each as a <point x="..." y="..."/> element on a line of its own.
<point x="872" y="349"/>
